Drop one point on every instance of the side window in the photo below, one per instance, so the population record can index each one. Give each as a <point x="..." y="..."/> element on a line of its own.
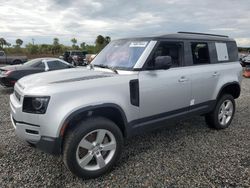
<point x="222" y="53"/>
<point x="40" y="65"/>
<point x="172" y="49"/>
<point x="232" y="51"/>
<point x="1" y="53"/>
<point x="56" y="65"/>
<point x="200" y="53"/>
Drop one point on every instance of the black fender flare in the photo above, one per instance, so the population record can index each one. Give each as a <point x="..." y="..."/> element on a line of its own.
<point x="227" y="84"/>
<point x="91" y="108"/>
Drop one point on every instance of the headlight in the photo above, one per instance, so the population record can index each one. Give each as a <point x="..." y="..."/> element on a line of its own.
<point x="35" y="105"/>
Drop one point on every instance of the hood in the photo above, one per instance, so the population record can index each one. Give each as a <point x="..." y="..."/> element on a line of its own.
<point x="62" y="76"/>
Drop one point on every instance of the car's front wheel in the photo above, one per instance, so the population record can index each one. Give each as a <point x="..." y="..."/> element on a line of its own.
<point x="223" y="113"/>
<point x="92" y="147"/>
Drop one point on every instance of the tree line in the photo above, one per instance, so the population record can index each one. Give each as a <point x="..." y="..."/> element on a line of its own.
<point x="55" y="48"/>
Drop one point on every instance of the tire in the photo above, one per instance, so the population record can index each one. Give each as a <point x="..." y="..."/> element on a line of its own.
<point x="16" y="62"/>
<point x="221" y="118"/>
<point x="87" y="131"/>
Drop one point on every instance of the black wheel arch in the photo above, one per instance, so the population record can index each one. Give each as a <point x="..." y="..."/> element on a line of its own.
<point x="232" y="88"/>
<point x="108" y="110"/>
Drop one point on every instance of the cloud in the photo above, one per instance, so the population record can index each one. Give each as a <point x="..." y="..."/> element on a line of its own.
<point x="45" y="19"/>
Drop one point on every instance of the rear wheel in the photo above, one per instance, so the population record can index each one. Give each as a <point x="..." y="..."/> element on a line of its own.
<point x="223" y="113"/>
<point x="92" y="147"/>
<point x="16" y="62"/>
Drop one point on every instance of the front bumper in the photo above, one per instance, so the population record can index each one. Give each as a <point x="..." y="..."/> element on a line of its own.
<point x="32" y="133"/>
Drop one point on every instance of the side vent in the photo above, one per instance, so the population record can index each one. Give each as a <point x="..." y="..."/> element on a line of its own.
<point x="134" y="92"/>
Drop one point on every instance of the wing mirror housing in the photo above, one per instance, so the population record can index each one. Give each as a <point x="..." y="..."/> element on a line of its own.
<point x="163" y="62"/>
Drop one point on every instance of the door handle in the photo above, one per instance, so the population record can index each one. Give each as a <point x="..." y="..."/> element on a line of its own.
<point x="215" y="74"/>
<point x="183" y="79"/>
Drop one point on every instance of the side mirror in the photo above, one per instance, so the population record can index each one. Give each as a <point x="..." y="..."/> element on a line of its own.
<point x="163" y="62"/>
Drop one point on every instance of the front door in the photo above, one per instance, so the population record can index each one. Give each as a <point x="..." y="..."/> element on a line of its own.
<point x="165" y="92"/>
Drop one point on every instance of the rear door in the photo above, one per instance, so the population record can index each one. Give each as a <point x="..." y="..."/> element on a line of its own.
<point x="165" y="92"/>
<point x="205" y="72"/>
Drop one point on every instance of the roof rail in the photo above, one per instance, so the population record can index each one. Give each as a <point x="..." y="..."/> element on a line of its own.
<point x="193" y="33"/>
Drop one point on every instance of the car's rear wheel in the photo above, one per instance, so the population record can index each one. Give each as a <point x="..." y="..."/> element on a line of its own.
<point x="92" y="147"/>
<point x="16" y="62"/>
<point x="223" y="113"/>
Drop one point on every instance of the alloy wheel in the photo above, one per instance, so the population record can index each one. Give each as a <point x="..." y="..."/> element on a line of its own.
<point x="96" y="150"/>
<point x="225" y="112"/>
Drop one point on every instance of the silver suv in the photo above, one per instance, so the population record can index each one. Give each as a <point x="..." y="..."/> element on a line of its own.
<point x="132" y="85"/>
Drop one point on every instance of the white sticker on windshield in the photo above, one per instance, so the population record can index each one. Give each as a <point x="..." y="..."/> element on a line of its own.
<point x="140" y="44"/>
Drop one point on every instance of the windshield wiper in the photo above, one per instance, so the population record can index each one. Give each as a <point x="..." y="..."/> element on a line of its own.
<point x="106" y="67"/>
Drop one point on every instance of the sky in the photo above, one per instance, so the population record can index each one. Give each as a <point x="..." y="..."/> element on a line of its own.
<point x="44" y="20"/>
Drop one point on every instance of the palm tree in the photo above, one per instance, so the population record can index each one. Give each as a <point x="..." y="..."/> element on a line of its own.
<point x="55" y="41"/>
<point x="107" y="39"/>
<point x="83" y="45"/>
<point x="19" y="42"/>
<point x="74" y="41"/>
<point x="2" y="42"/>
<point x="99" y="40"/>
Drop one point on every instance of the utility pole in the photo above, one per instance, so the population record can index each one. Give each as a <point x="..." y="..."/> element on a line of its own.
<point x="33" y="41"/>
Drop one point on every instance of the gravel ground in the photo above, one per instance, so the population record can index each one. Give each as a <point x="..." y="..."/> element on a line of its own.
<point x="184" y="154"/>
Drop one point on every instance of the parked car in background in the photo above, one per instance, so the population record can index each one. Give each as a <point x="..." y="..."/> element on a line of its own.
<point x="246" y="72"/>
<point x="12" y="60"/>
<point x="245" y="60"/>
<point x="10" y="74"/>
<point x="89" y="58"/>
<point x="75" y="57"/>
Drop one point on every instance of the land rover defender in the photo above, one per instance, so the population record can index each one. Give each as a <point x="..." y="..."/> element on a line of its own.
<point x="133" y="84"/>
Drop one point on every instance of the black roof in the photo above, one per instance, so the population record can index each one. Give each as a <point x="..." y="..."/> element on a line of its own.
<point x="189" y="36"/>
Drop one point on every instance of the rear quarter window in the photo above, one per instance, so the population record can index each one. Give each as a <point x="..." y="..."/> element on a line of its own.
<point x="222" y="52"/>
<point x="226" y="52"/>
<point x="232" y="51"/>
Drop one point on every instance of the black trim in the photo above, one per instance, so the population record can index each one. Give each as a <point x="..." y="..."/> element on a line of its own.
<point x="206" y="34"/>
<point x="49" y="145"/>
<point x="227" y="84"/>
<point x="147" y="123"/>
<point x="89" y="108"/>
<point x="134" y="92"/>
<point x="82" y="78"/>
<point x="21" y="122"/>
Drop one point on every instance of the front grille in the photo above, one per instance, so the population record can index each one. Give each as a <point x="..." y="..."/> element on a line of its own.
<point x="18" y="96"/>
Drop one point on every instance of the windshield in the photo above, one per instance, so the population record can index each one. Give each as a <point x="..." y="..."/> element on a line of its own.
<point x="120" y="54"/>
<point x="78" y="53"/>
<point x="32" y="63"/>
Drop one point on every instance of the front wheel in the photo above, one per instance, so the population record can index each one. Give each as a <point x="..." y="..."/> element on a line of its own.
<point x="223" y="113"/>
<point x="92" y="147"/>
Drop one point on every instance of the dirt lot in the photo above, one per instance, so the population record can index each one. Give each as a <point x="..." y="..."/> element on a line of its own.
<point x="184" y="154"/>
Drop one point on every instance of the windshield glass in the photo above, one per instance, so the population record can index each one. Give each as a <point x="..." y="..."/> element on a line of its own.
<point x="120" y="54"/>
<point x="32" y="63"/>
<point x="79" y="53"/>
